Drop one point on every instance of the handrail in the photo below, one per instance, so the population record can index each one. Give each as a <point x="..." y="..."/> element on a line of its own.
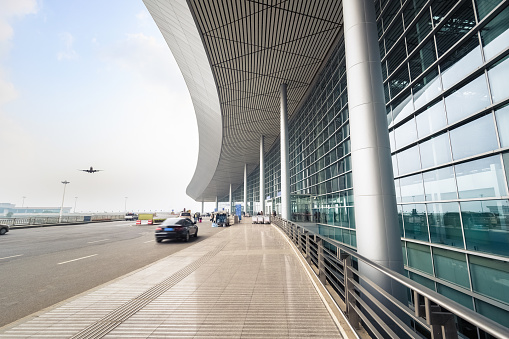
<point x="431" y="312"/>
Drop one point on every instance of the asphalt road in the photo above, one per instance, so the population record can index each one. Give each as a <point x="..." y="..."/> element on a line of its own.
<point x="40" y="267"/>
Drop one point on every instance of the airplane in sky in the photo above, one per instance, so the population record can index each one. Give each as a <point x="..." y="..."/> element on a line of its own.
<point x="91" y="170"/>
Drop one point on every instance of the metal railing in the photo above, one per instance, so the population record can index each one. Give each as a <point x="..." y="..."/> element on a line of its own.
<point x="427" y="314"/>
<point x="25" y="221"/>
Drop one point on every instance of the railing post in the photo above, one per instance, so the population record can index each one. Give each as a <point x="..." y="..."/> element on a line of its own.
<point x="442" y="323"/>
<point x="321" y="264"/>
<point x="299" y="240"/>
<point x="308" y="254"/>
<point x="353" y="317"/>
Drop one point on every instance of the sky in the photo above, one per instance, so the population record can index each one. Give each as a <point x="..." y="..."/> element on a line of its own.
<point x="92" y="83"/>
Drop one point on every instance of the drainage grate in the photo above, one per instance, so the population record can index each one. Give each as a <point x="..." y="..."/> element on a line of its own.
<point x="109" y="322"/>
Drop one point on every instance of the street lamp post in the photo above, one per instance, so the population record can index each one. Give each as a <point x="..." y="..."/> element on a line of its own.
<point x="23" y="203"/>
<point x="75" y="201"/>
<point x="65" y="182"/>
<point x="125" y="205"/>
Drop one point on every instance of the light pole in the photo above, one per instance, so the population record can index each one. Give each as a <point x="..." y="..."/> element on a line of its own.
<point x="65" y="182"/>
<point x="23" y="203"/>
<point x="75" y="201"/>
<point x="125" y="205"/>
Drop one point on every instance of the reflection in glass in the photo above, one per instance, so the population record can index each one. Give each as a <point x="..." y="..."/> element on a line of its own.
<point x="473" y="138"/>
<point x="455" y="295"/>
<point x="481" y="178"/>
<point x="411" y="188"/>
<point x="440" y="184"/>
<point x="495" y="35"/>
<point x="490" y="277"/>
<point x="427" y="89"/>
<point x="445" y="224"/>
<point x="486" y="224"/>
<point x="419" y="257"/>
<point x="502" y="116"/>
<point x="414" y="221"/>
<point x="409" y="160"/>
<point x="467" y="100"/>
<point x="435" y="151"/>
<point x="431" y="120"/>
<point x="405" y="134"/>
<point x="461" y="62"/>
<point x="484" y="7"/>
<point x="401" y="108"/>
<point x="451" y="266"/>
<point x="492" y="312"/>
<point x="498" y="80"/>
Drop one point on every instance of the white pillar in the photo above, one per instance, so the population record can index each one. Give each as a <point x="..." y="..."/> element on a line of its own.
<point x="202" y="209"/>
<point x="285" y="158"/>
<point x="378" y="236"/>
<point x="245" y="188"/>
<point x="262" y="176"/>
<point x="230" y="201"/>
<point x="217" y="205"/>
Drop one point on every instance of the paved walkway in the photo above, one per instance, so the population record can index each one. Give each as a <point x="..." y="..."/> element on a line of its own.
<point x="244" y="282"/>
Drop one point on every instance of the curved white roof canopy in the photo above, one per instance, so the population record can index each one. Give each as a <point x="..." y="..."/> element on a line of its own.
<point x="234" y="54"/>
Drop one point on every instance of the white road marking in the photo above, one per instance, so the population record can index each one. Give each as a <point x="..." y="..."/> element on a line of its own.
<point x="149" y="241"/>
<point x="12" y="256"/>
<point x="65" y="262"/>
<point x="91" y="242"/>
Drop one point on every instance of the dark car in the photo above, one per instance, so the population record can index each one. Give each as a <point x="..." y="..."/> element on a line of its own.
<point x="4" y="229"/>
<point x="176" y="228"/>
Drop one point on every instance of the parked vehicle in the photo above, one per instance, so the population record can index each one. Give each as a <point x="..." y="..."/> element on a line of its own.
<point x="131" y="216"/>
<point x="4" y="229"/>
<point x="222" y="219"/>
<point x="176" y="228"/>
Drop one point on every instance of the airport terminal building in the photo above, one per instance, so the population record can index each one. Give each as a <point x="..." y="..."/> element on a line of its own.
<point x="384" y="122"/>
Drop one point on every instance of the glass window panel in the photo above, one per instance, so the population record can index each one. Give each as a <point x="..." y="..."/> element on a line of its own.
<point x="395" y="170"/>
<point x="481" y="178"/>
<point x="414" y="221"/>
<point x="484" y="7"/>
<point x="435" y="151"/>
<point x="427" y="89"/>
<point x="451" y="266"/>
<point x="474" y="138"/>
<point x="490" y="277"/>
<point x="431" y="120"/>
<point x="444" y="224"/>
<point x="412" y="189"/>
<point x="391" y="141"/>
<point x="486" y="224"/>
<point x="405" y="133"/>
<point x="398" y="191"/>
<point x="455" y="295"/>
<point x="402" y="107"/>
<point x="467" y="100"/>
<point x="422" y="60"/>
<point x="461" y="62"/>
<point x="423" y="281"/>
<point x="396" y="57"/>
<point x="419" y="257"/>
<point x="408" y="160"/>
<point x="399" y="81"/>
<point x="495" y="35"/>
<point x="418" y="32"/>
<point x="502" y="116"/>
<point x="440" y="184"/>
<point x="396" y="29"/>
<point x="461" y="22"/>
<point x="400" y="220"/>
<point x="492" y="312"/>
<point x="439" y="9"/>
<point x="498" y="80"/>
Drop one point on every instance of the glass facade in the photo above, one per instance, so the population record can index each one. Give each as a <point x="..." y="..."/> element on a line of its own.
<point x="445" y="66"/>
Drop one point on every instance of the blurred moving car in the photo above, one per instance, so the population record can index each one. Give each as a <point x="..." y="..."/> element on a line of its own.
<point x="186" y="215"/>
<point x="131" y="216"/>
<point x="176" y="228"/>
<point x="4" y="229"/>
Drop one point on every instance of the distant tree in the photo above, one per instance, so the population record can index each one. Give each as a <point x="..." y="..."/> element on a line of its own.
<point x="9" y="214"/>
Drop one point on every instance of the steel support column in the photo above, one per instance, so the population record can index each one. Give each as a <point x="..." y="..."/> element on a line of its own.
<point x="378" y="236"/>
<point x="262" y="176"/>
<point x="285" y="159"/>
<point x="230" y="201"/>
<point x="217" y="205"/>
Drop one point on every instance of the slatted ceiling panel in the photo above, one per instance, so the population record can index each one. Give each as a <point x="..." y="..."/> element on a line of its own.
<point x="253" y="47"/>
